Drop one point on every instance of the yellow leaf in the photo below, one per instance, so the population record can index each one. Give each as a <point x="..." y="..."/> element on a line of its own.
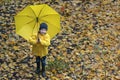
<point x="94" y="37"/>
<point x="4" y="65"/>
<point x="16" y="48"/>
<point x="90" y="26"/>
<point x="54" y="71"/>
<point x="106" y="2"/>
<point x="115" y="33"/>
<point x="72" y="69"/>
<point x="62" y="18"/>
<point x="118" y="64"/>
<point x="58" y="57"/>
<point x="117" y="77"/>
<point x="82" y="51"/>
<point x="67" y="78"/>
<point x="12" y="42"/>
<point x="54" y="78"/>
<point x="118" y="51"/>
<point x="11" y="55"/>
<point x="66" y="60"/>
<point x="97" y="58"/>
<point x="60" y="46"/>
<point x="11" y="65"/>
<point x="29" y="75"/>
<point x="107" y="43"/>
<point x="86" y="51"/>
<point x="60" y="76"/>
<point x="24" y="66"/>
<point x="77" y="53"/>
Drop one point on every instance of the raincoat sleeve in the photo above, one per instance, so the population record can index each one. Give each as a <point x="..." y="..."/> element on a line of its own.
<point x="33" y="40"/>
<point x="45" y="42"/>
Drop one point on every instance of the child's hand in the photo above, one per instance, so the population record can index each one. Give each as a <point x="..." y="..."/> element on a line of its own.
<point x="32" y="39"/>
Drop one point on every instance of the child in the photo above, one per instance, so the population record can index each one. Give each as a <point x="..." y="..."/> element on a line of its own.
<point x="40" y="47"/>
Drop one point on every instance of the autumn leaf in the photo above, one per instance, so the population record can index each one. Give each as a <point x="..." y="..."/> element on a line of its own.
<point x="82" y="51"/>
<point x="117" y="77"/>
<point x="118" y="51"/>
<point x="72" y="69"/>
<point x="107" y="43"/>
<point x="16" y="48"/>
<point x="106" y="2"/>
<point x="54" y="78"/>
<point x="90" y="26"/>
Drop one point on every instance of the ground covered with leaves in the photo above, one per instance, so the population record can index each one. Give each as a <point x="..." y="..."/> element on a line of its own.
<point x="87" y="48"/>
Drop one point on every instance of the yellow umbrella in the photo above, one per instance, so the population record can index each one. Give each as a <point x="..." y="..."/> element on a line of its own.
<point x="28" y="20"/>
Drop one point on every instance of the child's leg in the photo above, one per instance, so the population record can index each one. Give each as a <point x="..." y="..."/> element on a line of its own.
<point x="43" y="61"/>
<point x="38" y="64"/>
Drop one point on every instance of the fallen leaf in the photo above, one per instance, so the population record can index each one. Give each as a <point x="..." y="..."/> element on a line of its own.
<point x="54" y="78"/>
<point x="15" y="47"/>
<point x="72" y="69"/>
<point x="118" y="51"/>
<point x="90" y="26"/>
<point x="117" y="77"/>
<point x="54" y="71"/>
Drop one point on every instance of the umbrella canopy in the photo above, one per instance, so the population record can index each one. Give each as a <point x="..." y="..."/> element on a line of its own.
<point x="29" y="19"/>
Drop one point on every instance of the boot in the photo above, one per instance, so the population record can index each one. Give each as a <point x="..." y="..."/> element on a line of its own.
<point x="43" y="71"/>
<point x="38" y="68"/>
<point x="38" y="65"/>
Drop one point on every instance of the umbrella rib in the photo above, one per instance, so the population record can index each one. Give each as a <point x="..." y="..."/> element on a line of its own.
<point x="47" y="15"/>
<point x="40" y="11"/>
<point x="34" y="27"/>
<point x="33" y="11"/>
<point x="26" y="16"/>
<point x="30" y="21"/>
<point x="30" y="16"/>
<point x="44" y="16"/>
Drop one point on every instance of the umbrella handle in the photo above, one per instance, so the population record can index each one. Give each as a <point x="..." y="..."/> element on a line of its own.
<point x="38" y="37"/>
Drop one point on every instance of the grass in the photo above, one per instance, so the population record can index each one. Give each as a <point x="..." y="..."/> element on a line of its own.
<point x="58" y="65"/>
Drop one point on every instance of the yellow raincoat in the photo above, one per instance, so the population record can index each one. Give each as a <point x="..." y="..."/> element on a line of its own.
<point x="40" y="48"/>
